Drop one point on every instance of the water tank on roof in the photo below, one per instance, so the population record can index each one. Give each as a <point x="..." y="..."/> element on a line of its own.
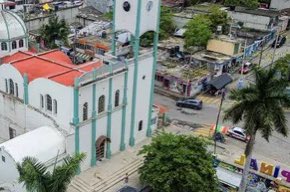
<point x="104" y="34"/>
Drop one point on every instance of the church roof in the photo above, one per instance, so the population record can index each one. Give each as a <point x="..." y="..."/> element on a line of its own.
<point x="11" y="26"/>
<point x="53" y="65"/>
<point x="36" y="144"/>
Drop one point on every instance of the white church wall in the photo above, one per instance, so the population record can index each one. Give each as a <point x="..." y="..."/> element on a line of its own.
<point x="8" y="168"/>
<point x="62" y="94"/>
<point x="118" y="84"/>
<point x="143" y="96"/>
<point x="7" y="71"/>
<point x="85" y="144"/>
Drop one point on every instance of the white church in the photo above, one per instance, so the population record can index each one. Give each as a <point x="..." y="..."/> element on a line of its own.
<point x="51" y="108"/>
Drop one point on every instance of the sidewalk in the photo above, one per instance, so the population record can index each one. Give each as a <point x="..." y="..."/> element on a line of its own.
<point x="108" y="175"/>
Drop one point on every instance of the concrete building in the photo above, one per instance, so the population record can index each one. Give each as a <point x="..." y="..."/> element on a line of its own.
<point x="225" y="45"/>
<point x="100" y="107"/>
<point x="280" y="4"/>
<point x="103" y="6"/>
<point x="259" y="19"/>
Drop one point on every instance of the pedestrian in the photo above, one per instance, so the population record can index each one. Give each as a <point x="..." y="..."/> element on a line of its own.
<point x="126" y="179"/>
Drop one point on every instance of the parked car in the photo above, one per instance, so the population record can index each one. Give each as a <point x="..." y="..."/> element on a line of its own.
<point x="244" y="70"/>
<point x="280" y="41"/>
<point x="238" y="133"/>
<point x="190" y="103"/>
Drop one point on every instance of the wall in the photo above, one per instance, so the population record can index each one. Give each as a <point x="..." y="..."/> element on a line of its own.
<point x="251" y="21"/>
<point x="62" y="94"/>
<point x="9" y="179"/>
<point x="179" y="21"/>
<point x="280" y="4"/>
<point x="102" y="6"/>
<point x="220" y="46"/>
<point x="69" y="14"/>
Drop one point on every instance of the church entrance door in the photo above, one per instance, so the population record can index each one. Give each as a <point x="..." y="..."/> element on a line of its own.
<point x="100" y="147"/>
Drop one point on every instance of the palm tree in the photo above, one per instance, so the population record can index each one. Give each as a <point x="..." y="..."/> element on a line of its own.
<point x="37" y="178"/>
<point x="55" y="30"/>
<point x="260" y="107"/>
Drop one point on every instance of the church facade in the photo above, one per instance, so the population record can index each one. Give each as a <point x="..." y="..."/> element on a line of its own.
<point x="101" y="107"/>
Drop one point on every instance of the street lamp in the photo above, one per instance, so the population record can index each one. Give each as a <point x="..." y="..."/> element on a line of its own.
<point x="218" y="117"/>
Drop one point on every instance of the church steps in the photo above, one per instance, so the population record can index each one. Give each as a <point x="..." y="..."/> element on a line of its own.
<point x="80" y="185"/>
<point x="118" y="176"/>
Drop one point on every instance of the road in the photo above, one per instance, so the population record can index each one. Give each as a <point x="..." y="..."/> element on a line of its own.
<point x="277" y="148"/>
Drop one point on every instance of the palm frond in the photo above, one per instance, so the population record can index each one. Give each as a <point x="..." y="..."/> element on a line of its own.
<point x="63" y="174"/>
<point x="33" y="174"/>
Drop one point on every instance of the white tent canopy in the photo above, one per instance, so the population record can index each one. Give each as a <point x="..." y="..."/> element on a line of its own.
<point x="43" y="143"/>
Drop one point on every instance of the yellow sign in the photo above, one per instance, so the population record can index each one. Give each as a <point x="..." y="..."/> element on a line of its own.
<point x="283" y="189"/>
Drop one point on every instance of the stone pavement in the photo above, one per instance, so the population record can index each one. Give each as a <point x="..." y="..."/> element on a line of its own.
<point x="108" y="175"/>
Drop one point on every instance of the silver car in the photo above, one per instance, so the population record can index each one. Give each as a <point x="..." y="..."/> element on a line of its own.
<point x="238" y="133"/>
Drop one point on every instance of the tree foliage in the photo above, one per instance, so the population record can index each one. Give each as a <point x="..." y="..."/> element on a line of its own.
<point x="218" y="17"/>
<point x="166" y="27"/>
<point x="37" y="178"/>
<point x="283" y="66"/>
<point x="178" y="163"/>
<point x="260" y="107"/>
<point x="198" y="31"/>
<point x="243" y="3"/>
<point x="55" y="30"/>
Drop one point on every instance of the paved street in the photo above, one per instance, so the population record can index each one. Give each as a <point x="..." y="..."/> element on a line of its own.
<point x="278" y="147"/>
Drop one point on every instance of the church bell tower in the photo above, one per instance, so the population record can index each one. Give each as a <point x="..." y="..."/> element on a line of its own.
<point x="138" y="17"/>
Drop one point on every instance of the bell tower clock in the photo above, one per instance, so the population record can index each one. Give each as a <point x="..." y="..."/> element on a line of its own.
<point x="138" y="17"/>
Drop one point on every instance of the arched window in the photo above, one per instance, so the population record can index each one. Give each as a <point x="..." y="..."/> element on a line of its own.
<point x="14" y="45"/>
<point x="140" y="125"/>
<point x="101" y="104"/>
<point x="16" y="89"/>
<point x="11" y="87"/>
<point x="48" y="103"/>
<point x="85" y="111"/>
<point x="117" y="98"/>
<point x="55" y="106"/>
<point x="21" y="43"/>
<point x="4" y="46"/>
<point x="41" y="101"/>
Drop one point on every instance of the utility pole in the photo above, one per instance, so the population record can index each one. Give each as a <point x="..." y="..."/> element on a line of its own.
<point x="218" y="117"/>
<point x="243" y="61"/>
<point x="262" y="50"/>
<point x="275" y="47"/>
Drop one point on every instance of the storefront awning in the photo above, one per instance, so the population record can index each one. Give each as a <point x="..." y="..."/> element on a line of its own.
<point x="221" y="81"/>
<point x="229" y="178"/>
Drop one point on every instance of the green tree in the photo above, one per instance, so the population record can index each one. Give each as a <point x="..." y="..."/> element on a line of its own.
<point x="260" y="107"/>
<point x="283" y="66"/>
<point x="166" y="27"/>
<point x="55" y="30"/>
<point x="178" y="163"/>
<point x="243" y="3"/>
<point x="218" y="17"/>
<point x="37" y="178"/>
<point x="198" y="31"/>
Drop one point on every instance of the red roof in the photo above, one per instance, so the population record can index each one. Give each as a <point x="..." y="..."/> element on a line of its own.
<point x="16" y="56"/>
<point x="57" y="56"/>
<point x="54" y="65"/>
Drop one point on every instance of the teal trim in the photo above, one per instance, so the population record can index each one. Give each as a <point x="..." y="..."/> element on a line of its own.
<point x="124" y="110"/>
<point x="136" y="55"/>
<point x="155" y="55"/>
<point x="109" y="119"/>
<point x="114" y="30"/>
<point x="25" y="83"/>
<point x="76" y="115"/>
<point x="94" y="124"/>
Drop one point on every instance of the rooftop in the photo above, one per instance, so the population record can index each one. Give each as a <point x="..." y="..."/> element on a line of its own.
<point x="36" y="144"/>
<point x="54" y="65"/>
<point x="211" y="57"/>
<point x="261" y="12"/>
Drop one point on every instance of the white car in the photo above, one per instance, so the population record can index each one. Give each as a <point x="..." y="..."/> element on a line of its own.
<point x="238" y="133"/>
